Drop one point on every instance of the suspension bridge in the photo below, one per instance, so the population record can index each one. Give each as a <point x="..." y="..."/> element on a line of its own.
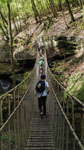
<point x="21" y="127"/>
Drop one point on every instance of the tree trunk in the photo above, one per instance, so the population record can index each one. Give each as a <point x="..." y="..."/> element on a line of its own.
<point x="10" y="32"/>
<point x="3" y="18"/>
<point x="53" y="9"/>
<point x="47" y="6"/>
<point x="70" y="12"/>
<point x="83" y="12"/>
<point x="75" y="3"/>
<point x="81" y="4"/>
<point x="19" y="19"/>
<point x="11" y="42"/>
<point x="4" y="33"/>
<point x="15" y="26"/>
<point x="64" y="16"/>
<point x="36" y="15"/>
<point x="60" y="5"/>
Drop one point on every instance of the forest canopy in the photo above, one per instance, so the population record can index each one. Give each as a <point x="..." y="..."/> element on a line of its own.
<point x="22" y="9"/>
<point x="15" y="13"/>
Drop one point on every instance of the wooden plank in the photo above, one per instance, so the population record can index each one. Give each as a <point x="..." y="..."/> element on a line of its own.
<point x="40" y="144"/>
<point x="39" y="148"/>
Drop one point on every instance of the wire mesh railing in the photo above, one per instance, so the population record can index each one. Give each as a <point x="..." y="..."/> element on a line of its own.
<point x="65" y="111"/>
<point x="16" y="107"/>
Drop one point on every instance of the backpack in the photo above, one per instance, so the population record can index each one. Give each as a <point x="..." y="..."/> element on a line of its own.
<point x="41" y="62"/>
<point x="40" y="86"/>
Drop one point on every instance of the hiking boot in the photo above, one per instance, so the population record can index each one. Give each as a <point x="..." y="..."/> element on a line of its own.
<point x="41" y="115"/>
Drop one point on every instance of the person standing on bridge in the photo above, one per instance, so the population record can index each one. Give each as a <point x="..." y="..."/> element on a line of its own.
<point x="42" y="89"/>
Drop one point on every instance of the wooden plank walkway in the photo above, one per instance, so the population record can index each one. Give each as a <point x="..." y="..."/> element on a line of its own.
<point x="40" y="134"/>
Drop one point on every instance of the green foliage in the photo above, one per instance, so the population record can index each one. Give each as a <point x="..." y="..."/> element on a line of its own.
<point x="80" y="93"/>
<point x="76" y="86"/>
<point x="5" y="1"/>
<point x="2" y="1"/>
<point x="5" y="136"/>
<point x="65" y="68"/>
<point x="10" y="1"/>
<point x="82" y="26"/>
<point x="71" y="82"/>
<point x="26" y="74"/>
<point x="76" y="60"/>
<point x="60" y="77"/>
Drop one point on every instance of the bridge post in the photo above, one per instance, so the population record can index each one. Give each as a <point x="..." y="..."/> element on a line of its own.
<point x="67" y="137"/>
<point x="18" y="95"/>
<point x="9" y="137"/>
<point x="82" y="127"/>
<point x="73" y="122"/>
<point x="62" y="133"/>
<point x="67" y="106"/>
<point x="1" y="114"/>
<point x="14" y="98"/>
<point x="9" y="109"/>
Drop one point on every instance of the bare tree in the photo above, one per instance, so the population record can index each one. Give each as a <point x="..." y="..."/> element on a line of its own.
<point x="60" y="5"/>
<point x="11" y="42"/>
<point x="4" y="32"/>
<point x="83" y="11"/>
<point x="3" y="18"/>
<point x="53" y="8"/>
<point x="70" y="12"/>
<point x="63" y="15"/>
<point x="81" y="4"/>
<point x="36" y="14"/>
<point x="4" y="26"/>
<point x="10" y="32"/>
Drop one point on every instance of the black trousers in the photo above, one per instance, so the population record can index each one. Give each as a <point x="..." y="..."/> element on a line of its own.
<point x="42" y="104"/>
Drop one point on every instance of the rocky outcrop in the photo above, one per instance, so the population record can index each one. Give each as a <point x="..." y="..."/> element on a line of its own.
<point x="4" y="52"/>
<point x="23" y="54"/>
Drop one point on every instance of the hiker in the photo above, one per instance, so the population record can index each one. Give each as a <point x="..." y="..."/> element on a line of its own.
<point x="41" y="62"/>
<point x="42" y="89"/>
<point x="41" y="70"/>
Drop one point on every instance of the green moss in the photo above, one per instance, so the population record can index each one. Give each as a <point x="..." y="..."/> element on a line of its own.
<point x="65" y="69"/>
<point x="72" y="83"/>
<point x="60" y="77"/>
<point x="26" y="74"/>
<point x="57" y="76"/>
<point x="80" y="93"/>
<point x="82" y="26"/>
<point x="5" y="68"/>
<point x="76" y="60"/>
<point x="57" y="69"/>
<point x="76" y="86"/>
<point x="5" y="136"/>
